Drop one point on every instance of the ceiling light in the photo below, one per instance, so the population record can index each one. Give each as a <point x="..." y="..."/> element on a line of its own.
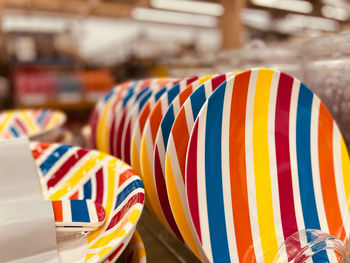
<point x="160" y="16"/>
<point x="205" y="8"/>
<point x="299" y="6"/>
<point x="335" y="12"/>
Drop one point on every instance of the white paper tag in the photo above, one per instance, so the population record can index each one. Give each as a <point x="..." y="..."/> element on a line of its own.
<point x="27" y="224"/>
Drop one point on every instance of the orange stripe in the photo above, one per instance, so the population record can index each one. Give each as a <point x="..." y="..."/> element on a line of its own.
<point x="125" y="176"/>
<point x="185" y="94"/>
<point x="325" y="149"/>
<point x="143" y="117"/>
<point x="155" y="119"/>
<point x="74" y="196"/>
<point x="179" y="131"/>
<point x="240" y="206"/>
<point x="57" y="210"/>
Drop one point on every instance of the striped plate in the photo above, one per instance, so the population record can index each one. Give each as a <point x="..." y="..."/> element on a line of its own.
<point x="135" y="251"/>
<point x="139" y="126"/>
<point x="175" y="149"/>
<point x="78" y="215"/>
<point x="132" y="111"/>
<point x="30" y="122"/>
<point x="265" y="160"/>
<point x="160" y="208"/>
<point x="138" y="123"/>
<point x="114" y="95"/>
<point x="68" y="172"/>
<point x="110" y="116"/>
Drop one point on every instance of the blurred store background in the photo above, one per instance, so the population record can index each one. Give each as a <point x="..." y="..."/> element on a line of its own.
<point x="65" y="54"/>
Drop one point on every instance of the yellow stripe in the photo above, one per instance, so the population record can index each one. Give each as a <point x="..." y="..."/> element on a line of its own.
<point x="104" y="252"/>
<point x="102" y="130"/>
<point x="117" y="233"/>
<point x="88" y="256"/>
<point x="262" y="165"/>
<point x="135" y="158"/>
<point x="346" y="170"/>
<point x="149" y="186"/>
<point x="54" y="120"/>
<point x="177" y="208"/>
<point x="111" y="171"/>
<point x="204" y="79"/>
<point x="8" y="116"/>
<point x="78" y="176"/>
<point x="32" y="126"/>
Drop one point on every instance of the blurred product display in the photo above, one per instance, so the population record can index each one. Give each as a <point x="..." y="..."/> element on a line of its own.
<point x="175" y="131"/>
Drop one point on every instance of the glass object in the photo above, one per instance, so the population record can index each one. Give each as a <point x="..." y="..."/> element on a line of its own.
<point x="326" y="62"/>
<point x="310" y="243"/>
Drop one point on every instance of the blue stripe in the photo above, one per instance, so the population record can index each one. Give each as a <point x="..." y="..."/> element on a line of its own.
<point x="141" y="93"/>
<point x="167" y="124"/>
<point x="213" y="171"/>
<point x="130" y="93"/>
<point x="127" y="190"/>
<point x="173" y="92"/>
<point x="306" y="188"/>
<point x="109" y="94"/>
<point x="159" y="94"/>
<point x="197" y="98"/>
<point x="53" y="158"/>
<point x="80" y="212"/>
<point x="144" y="100"/>
<point x="13" y="130"/>
<point x="42" y="116"/>
<point x="87" y="190"/>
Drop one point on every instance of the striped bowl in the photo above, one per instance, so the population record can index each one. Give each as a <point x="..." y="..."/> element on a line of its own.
<point x="69" y="172"/>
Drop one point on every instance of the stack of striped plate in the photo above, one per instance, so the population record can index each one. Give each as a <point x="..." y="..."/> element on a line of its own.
<point x="68" y="172"/>
<point x="233" y="164"/>
<point x="37" y="124"/>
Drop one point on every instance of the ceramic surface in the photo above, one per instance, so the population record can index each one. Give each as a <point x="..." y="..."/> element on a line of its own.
<point x="68" y="172"/>
<point x="265" y="160"/>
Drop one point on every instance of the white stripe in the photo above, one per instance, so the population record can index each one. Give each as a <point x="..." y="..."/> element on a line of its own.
<point x="202" y="195"/>
<point x="176" y="105"/>
<point x="293" y="153"/>
<point x="273" y="162"/>
<point x="208" y="88"/>
<point x="250" y="167"/>
<point x="226" y="182"/>
<point x="339" y="181"/>
<point x="161" y="150"/>
<point x="189" y="115"/>
<point x="93" y="187"/>
<point x="315" y="165"/>
<point x="66" y="209"/>
<point x="92" y="211"/>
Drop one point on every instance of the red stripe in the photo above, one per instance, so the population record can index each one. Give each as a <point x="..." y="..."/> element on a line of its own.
<point x="119" y="136"/>
<point x="191" y="180"/>
<point x="163" y="195"/>
<point x="285" y="185"/>
<point x="215" y="82"/>
<point x="127" y="144"/>
<point x="137" y="198"/>
<point x="40" y="149"/>
<point x="64" y="169"/>
<point x="190" y="80"/>
<point x="115" y="253"/>
<point x="20" y="124"/>
<point x="239" y="193"/>
<point x="99" y="186"/>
